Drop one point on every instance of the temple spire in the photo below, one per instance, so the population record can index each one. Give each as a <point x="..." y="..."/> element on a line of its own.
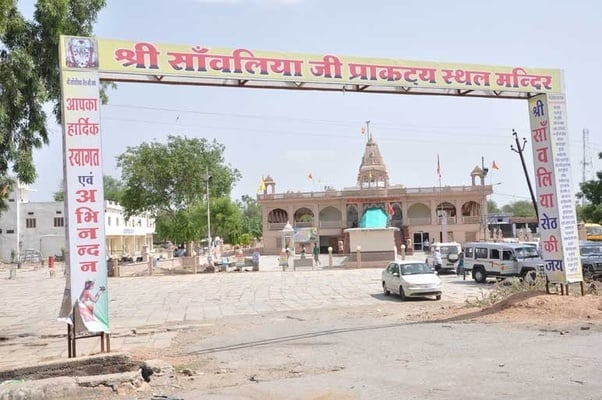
<point x="373" y="172"/>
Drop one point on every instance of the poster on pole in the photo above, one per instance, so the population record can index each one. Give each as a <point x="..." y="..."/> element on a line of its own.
<point x="85" y="300"/>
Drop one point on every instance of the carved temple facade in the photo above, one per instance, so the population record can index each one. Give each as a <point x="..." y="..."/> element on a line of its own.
<point x="422" y="213"/>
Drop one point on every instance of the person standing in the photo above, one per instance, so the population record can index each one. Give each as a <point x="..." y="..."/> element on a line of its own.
<point x="255" y="260"/>
<point x="438" y="260"/>
<point x="460" y="269"/>
<point x="425" y="245"/>
<point x="316" y="252"/>
<point x="303" y="252"/>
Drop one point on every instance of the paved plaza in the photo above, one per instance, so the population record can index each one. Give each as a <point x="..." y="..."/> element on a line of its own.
<point x="148" y="311"/>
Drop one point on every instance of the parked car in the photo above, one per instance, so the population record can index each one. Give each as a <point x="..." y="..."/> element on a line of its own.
<point x="450" y="252"/>
<point x="502" y="260"/>
<point x="591" y="258"/>
<point x="411" y="279"/>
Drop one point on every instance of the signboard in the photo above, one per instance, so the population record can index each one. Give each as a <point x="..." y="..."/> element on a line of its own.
<point x="203" y="61"/>
<point x="557" y="215"/>
<point x="86" y="290"/>
<point x="305" y="235"/>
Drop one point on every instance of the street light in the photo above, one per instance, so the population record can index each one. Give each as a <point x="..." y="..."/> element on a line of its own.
<point x="207" y="181"/>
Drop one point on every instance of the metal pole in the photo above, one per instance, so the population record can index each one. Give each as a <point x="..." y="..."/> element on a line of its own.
<point x="209" y="247"/>
<point x="485" y="211"/>
<point x="519" y="149"/>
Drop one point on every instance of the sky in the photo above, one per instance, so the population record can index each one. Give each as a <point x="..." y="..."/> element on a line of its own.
<point x="291" y="134"/>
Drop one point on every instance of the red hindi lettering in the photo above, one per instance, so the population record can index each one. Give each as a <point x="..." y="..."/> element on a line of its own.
<point x="82" y="127"/>
<point x="86" y="195"/>
<point x="143" y="54"/>
<point x="427" y="74"/>
<point x="466" y="77"/>
<point x="86" y="215"/>
<point x="285" y="67"/>
<point x="329" y="67"/>
<point x="547" y="200"/>
<point x="362" y="71"/>
<point x="544" y="177"/>
<point x="542" y="154"/>
<point x="551" y="245"/>
<point x="84" y="157"/>
<point x="88" y="266"/>
<point x="82" y="104"/>
<point x="88" y="249"/>
<point x="195" y="61"/>
<point x="87" y="233"/>
<point x="539" y="134"/>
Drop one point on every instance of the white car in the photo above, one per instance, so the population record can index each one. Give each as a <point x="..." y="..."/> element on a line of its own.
<point x="411" y="279"/>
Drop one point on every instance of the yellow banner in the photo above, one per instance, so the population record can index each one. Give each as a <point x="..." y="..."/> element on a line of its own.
<point x="146" y="58"/>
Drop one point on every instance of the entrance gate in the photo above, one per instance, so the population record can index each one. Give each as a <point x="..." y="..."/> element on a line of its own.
<point x="86" y="62"/>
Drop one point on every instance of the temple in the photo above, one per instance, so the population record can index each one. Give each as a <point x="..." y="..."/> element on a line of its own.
<point x="442" y="214"/>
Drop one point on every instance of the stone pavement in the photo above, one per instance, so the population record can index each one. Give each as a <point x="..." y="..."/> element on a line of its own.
<point x="146" y="312"/>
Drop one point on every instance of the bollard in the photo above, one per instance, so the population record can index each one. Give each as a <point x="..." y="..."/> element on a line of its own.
<point x="359" y="256"/>
<point x="403" y="252"/>
<point x="329" y="257"/>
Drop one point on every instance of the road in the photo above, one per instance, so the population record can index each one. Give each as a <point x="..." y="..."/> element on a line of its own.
<point x="151" y="304"/>
<point x="328" y="334"/>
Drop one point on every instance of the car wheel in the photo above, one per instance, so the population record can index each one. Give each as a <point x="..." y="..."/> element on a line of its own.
<point x="385" y="290"/>
<point x="438" y="297"/>
<point x="402" y="295"/>
<point x="479" y="275"/>
<point x="529" y="277"/>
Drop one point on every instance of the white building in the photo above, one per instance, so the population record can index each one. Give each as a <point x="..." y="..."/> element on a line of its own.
<point x="41" y="228"/>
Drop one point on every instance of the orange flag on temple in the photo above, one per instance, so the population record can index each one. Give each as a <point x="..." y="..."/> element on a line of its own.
<point x="310" y="176"/>
<point x="438" y="167"/>
<point x="494" y="165"/>
<point x="390" y="209"/>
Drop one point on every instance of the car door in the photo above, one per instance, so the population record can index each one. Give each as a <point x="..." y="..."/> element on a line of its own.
<point x="393" y="283"/>
<point x="388" y="276"/>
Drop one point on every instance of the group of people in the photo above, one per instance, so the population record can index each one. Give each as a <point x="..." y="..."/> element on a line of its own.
<point x="315" y="251"/>
<point x="439" y="262"/>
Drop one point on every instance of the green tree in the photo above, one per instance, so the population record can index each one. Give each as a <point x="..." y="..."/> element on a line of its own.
<point x="592" y="191"/>
<point x="59" y="195"/>
<point x="113" y="188"/>
<point x="170" y="182"/>
<point x="225" y="220"/>
<point x="492" y="207"/>
<point x="29" y="75"/>
<point x="520" y="208"/>
<point x="251" y="218"/>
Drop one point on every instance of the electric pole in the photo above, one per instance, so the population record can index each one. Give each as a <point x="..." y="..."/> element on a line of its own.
<point x="587" y="161"/>
<point x="519" y="149"/>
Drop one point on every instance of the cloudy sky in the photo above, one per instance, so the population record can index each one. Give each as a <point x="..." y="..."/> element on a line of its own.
<point x="290" y="134"/>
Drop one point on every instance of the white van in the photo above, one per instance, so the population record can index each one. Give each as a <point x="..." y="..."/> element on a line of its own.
<point x="450" y="252"/>
<point x="502" y="260"/>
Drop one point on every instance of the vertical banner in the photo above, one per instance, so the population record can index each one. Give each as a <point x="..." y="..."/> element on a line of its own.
<point x="557" y="215"/>
<point x="86" y="289"/>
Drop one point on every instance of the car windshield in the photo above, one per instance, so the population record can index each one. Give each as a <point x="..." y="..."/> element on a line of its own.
<point x="526" y="252"/>
<point x="415" y="269"/>
<point x="591" y="250"/>
<point x="448" y="250"/>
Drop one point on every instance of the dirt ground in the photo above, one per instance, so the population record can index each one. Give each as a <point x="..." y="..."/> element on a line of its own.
<point x="225" y="356"/>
